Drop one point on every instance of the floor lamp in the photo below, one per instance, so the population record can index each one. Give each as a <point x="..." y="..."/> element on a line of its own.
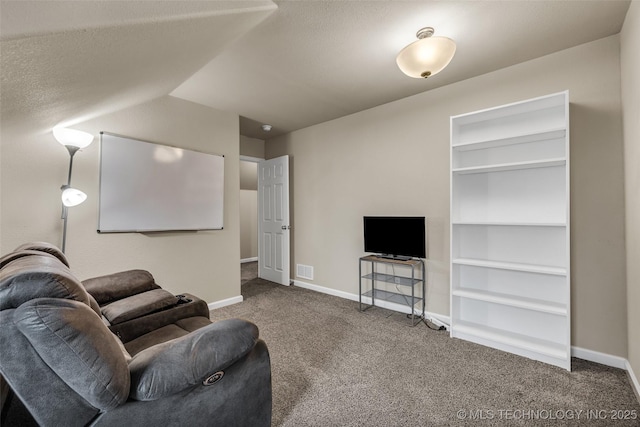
<point x="73" y="140"/>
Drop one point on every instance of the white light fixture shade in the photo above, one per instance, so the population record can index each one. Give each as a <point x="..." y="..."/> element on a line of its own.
<point x="72" y="137"/>
<point x="72" y="197"/>
<point x="427" y="56"/>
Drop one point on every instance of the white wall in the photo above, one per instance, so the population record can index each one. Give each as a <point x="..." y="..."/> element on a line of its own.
<point x="251" y="147"/>
<point x="394" y="160"/>
<point x="248" y="210"/>
<point x="630" y="64"/>
<point x="248" y="224"/>
<point x="34" y="165"/>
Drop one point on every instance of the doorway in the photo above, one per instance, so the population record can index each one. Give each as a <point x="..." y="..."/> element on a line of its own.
<point x="264" y="217"/>
<point x="249" y="209"/>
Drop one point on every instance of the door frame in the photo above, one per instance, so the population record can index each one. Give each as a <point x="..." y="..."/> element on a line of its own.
<point x="259" y="194"/>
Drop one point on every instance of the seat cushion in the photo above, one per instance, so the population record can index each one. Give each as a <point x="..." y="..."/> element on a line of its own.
<point x="191" y="324"/>
<point x="138" y="305"/>
<point x="166" y="333"/>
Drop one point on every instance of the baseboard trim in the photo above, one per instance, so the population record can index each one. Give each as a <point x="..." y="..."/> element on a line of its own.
<point x="242" y="261"/>
<point x="598" y="357"/>
<point x="324" y="290"/>
<point x="635" y="384"/>
<point x="437" y="319"/>
<point x="225" y="302"/>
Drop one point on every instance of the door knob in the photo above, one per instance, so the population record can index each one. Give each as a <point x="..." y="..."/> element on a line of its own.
<point x="286" y="227"/>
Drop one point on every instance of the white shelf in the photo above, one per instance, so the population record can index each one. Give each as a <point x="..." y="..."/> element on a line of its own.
<point x="520" y="302"/>
<point x="540" y="247"/>
<point x="511" y="283"/>
<point x="512" y="223"/>
<point x="517" y="139"/>
<point x="530" y="268"/>
<point x="511" y="166"/>
<point x="516" y="108"/>
<point x="510" y="228"/>
<point x="524" y="342"/>
<point x="511" y="195"/>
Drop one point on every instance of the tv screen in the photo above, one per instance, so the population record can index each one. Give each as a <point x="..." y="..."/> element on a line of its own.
<point x="395" y="236"/>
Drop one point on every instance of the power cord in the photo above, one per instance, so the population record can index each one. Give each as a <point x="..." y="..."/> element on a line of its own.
<point x="427" y="322"/>
<point x="406" y="297"/>
<point x="410" y="316"/>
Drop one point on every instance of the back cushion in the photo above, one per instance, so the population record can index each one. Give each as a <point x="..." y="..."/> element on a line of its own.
<point x="112" y="287"/>
<point x="78" y="347"/>
<point x="36" y="276"/>
<point x="44" y="247"/>
<point x="12" y="256"/>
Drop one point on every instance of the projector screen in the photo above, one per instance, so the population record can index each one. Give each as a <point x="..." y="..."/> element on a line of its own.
<point x="151" y="187"/>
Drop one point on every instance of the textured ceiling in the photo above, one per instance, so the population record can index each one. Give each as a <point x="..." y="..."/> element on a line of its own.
<point x="287" y="63"/>
<point x="64" y="62"/>
<point x="310" y="62"/>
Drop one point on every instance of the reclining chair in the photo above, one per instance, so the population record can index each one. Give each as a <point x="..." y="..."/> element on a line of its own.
<point x="128" y="356"/>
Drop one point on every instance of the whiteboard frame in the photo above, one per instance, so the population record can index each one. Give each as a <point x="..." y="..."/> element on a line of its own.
<point x="141" y="229"/>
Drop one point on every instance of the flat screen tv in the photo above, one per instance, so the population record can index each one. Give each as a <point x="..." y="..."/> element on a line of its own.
<point x="398" y="237"/>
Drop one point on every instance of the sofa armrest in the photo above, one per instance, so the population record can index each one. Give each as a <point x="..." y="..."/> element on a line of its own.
<point x="138" y="305"/>
<point x="242" y="398"/>
<point x="175" y="365"/>
<point x="112" y="287"/>
<point x="134" y="328"/>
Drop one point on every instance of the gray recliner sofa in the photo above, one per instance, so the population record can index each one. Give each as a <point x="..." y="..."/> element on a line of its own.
<point x="117" y="350"/>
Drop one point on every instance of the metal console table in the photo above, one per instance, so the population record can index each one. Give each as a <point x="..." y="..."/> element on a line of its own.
<point x="405" y="281"/>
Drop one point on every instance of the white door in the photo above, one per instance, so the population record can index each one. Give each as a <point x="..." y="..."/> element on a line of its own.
<point x="273" y="220"/>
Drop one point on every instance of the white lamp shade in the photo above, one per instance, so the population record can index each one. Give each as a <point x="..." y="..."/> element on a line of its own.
<point x="426" y="57"/>
<point x="72" y="137"/>
<point x="73" y="197"/>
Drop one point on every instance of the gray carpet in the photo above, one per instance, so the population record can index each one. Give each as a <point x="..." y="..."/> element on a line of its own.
<point x="335" y="366"/>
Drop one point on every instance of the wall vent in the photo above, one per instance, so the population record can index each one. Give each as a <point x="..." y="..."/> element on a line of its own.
<point x="304" y="271"/>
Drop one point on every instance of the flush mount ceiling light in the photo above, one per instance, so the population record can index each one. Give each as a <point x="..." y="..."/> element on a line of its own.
<point x="266" y="128"/>
<point x="427" y="56"/>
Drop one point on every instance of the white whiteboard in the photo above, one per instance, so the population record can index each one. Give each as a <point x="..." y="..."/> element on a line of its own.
<point x="153" y="187"/>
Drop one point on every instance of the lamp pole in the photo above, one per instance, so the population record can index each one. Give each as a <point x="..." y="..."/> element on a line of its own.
<point x="65" y="210"/>
<point x="73" y="140"/>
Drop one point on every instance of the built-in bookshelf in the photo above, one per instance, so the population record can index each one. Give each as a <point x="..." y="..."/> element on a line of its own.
<point x="510" y="275"/>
